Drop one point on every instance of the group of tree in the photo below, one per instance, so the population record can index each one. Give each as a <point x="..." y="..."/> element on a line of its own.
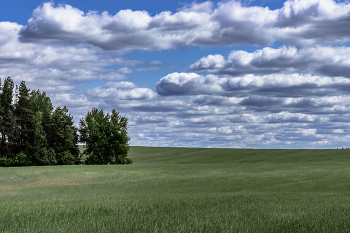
<point x="35" y="133"/>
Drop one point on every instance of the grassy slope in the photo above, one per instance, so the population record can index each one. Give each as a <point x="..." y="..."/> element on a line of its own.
<point x="184" y="189"/>
<point x="180" y="155"/>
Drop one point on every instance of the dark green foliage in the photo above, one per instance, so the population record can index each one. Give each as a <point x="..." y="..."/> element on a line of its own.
<point x="67" y="158"/>
<point x="41" y="129"/>
<point x="32" y="131"/>
<point x="60" y="134"/>
<point x="5" y="162"/>
<point x="7" y="129"/>
<point x="105" y="136"/>
<point x="65" y="137"/>
<point x="24" y="115"/>
<point x="40" y="155"/>
<point x="21" y="159"/>
<point x="12" y="133"/>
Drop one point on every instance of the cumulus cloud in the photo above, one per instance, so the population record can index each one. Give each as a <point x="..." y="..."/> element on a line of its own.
<point x="220" y="121"/>
<point x="299" y="22"/>
<point x="284" y="130"/>
<point x="326" y="61"/>
<point x="55" y="67"/>
<point x="313" y="22"/>
<point x="126" y="30"/>
<point x="78" y="104"/>
<point x="69" y="99"/>
<point x="289" y="110"/>
<point x="284" y="117"/>
<point x="278" y="85"/>
<point x="58" y="67"/>
<point x="122" y="91"/>
<point x="304" y="105"/>
<point x="186" y="84"/>
<point x="178" y="121"/>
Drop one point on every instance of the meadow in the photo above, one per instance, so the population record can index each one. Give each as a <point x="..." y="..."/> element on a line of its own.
<point x="183" y="190"/>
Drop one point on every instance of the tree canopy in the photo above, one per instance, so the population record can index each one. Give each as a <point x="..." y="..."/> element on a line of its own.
<point x="34" y="133"/>
<point x="105" y="136"/>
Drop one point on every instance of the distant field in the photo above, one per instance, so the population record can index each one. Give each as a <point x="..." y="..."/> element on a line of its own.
<point x="183" y="190"/>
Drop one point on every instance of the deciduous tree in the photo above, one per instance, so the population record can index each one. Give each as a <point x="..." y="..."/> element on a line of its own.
<point x="105" y="137"/>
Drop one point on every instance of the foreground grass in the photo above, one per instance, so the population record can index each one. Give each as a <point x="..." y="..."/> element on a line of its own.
<point x="184" y="190"/>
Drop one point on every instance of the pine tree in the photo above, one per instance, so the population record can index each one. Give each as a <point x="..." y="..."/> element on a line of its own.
<point x="38" y="145"/>
<point x="24" y="115"/>
<point x="32" y="131"/>
<point x="41" y="107"/>
<point x="57" y="127"/>
<point x="64" y="138"/>
<point x="1" y="121"/>
<point x="12" y="134"/>
<point x="7" y="122"/>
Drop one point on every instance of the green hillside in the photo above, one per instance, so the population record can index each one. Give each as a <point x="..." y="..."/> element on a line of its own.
<point x="183" y="190"/>
<point x="181" y="155"/>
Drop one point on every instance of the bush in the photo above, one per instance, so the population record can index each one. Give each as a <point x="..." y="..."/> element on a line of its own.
<point x="5" y="162"/>
<point x="46" y="157"/>
<point x="66" y="158"/>
<point x="21" y="159"/>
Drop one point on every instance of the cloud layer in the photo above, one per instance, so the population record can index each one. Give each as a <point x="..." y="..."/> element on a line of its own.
<point x="298" y="22"/>
<point x="57" y="67"/>
<point x="275" y="85"/>
<point x="326" y="61"/>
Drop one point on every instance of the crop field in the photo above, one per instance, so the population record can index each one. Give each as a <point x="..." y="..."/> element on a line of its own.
<point x="183" y="190"/>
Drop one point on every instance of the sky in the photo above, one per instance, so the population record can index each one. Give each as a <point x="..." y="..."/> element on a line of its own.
<point x="231" y="74"/>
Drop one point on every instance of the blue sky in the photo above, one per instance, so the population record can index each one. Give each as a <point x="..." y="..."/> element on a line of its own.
<point x="257" y="74"/>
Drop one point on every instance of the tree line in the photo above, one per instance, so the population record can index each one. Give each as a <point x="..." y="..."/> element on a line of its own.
<point x="35" y="133"/>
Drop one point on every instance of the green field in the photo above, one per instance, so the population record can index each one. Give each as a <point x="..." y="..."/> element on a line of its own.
<point x="183" y="190"/>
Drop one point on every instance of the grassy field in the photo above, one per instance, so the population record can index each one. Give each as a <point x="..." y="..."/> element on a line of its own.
<point x="183" y="190"/>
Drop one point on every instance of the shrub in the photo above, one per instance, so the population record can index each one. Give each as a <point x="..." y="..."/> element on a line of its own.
<point x="21" y="159"/>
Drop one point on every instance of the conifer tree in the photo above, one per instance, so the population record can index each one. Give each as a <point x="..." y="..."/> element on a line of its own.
<point x="64" y="138"/>
<point x="41" y="107"/>
<point x="1" y="121"/>
<point x="24" y="115"/>
<point x="8" y="126"/>
<point x="38" y="147"/>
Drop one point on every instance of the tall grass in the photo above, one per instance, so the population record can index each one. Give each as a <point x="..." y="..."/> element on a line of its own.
<point x="183" y="190"/>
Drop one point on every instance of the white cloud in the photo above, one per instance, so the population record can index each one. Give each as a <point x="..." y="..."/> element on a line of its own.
<point x="58" y="67"/>
<point x="55" y="67"/>
<point x="8" y="31"/>
<point x="187" y="84"/>
<point x="176" y="121"/>
<point x="71" y="100"/>
<point x="307" y="132"/>
<point x="122" y="91"/>
<point x="119" y="85"/>
<point x="285" y="85"/>
<point x="291" y="117"/>
<point x="327" y="61"/>
<point x="300" y="22"/>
